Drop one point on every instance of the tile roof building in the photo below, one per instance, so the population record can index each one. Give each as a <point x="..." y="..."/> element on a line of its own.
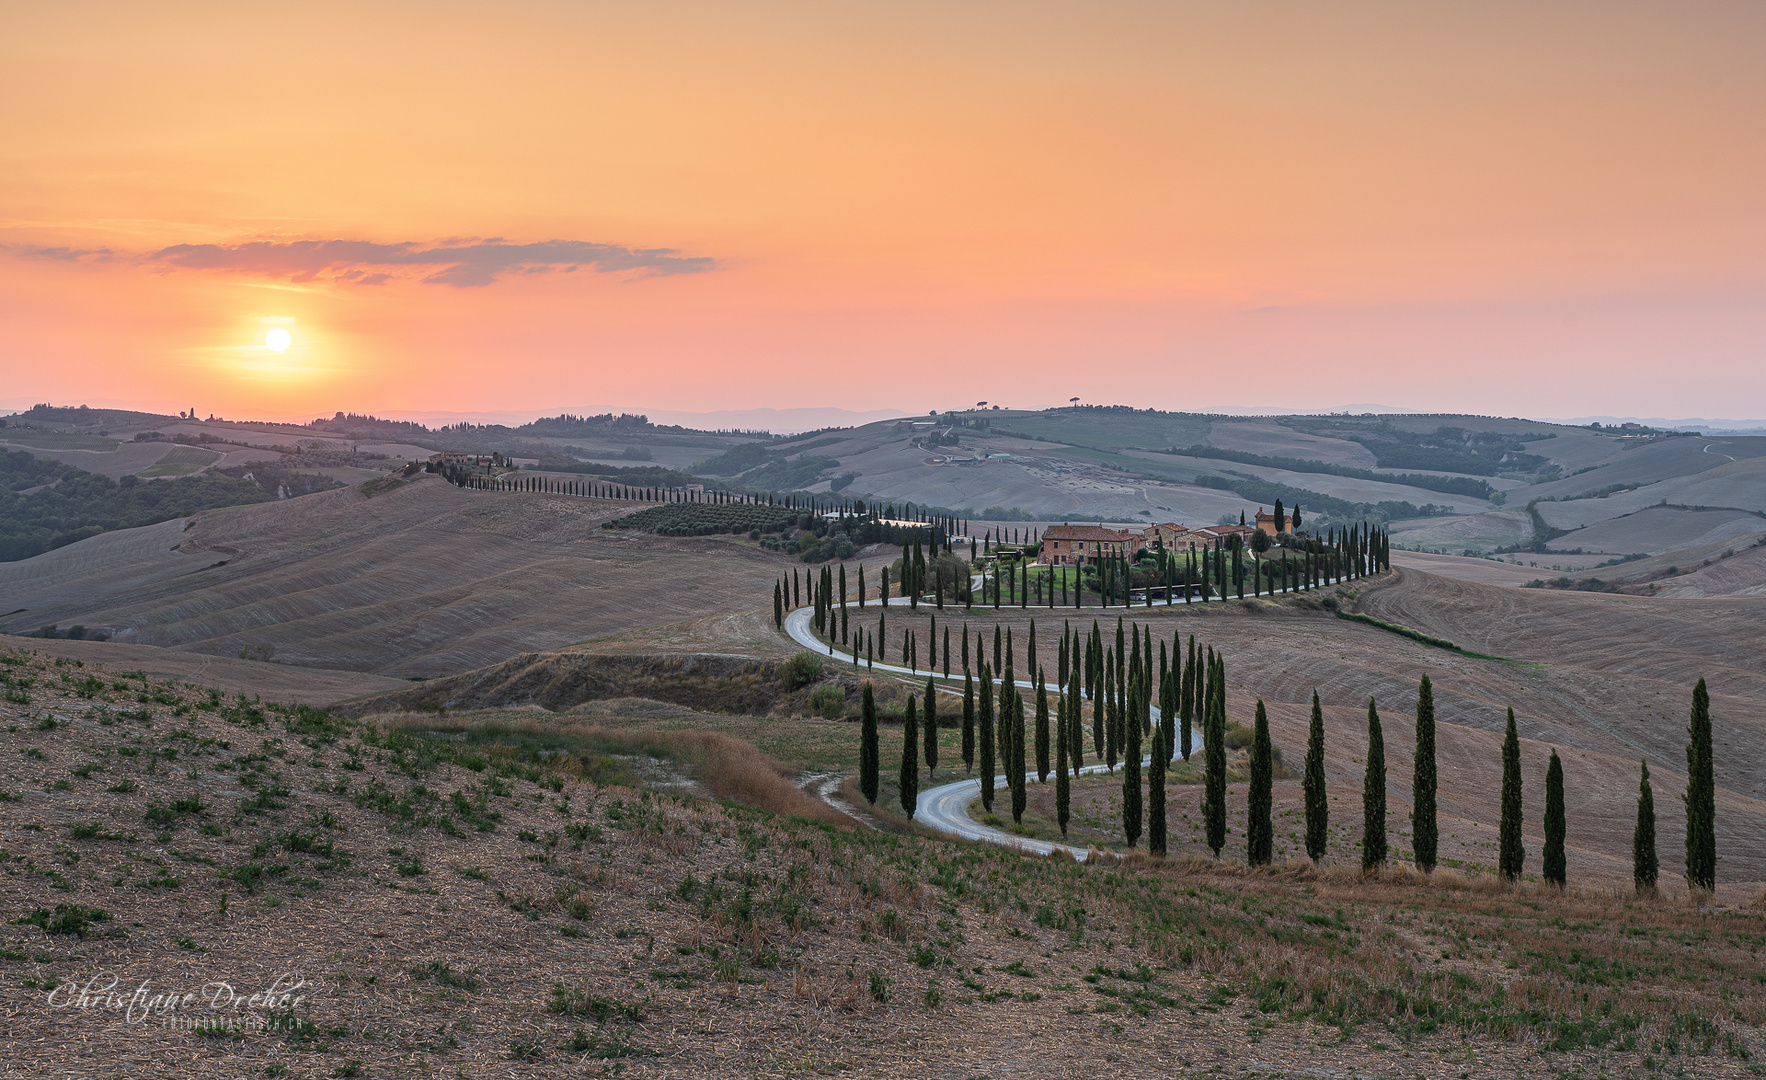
<point x="1074" y="545"/>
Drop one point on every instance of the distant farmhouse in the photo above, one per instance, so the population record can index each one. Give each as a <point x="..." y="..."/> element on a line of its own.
<point x="1076" y="545"/>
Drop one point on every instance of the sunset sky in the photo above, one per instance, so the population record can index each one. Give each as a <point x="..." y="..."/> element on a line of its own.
<point x="1524" y="209"/>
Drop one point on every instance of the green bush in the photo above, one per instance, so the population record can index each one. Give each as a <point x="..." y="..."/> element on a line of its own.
<point x="828" y="701"/>
<point x="800" y="670"/>
<point x="65" y="919"/>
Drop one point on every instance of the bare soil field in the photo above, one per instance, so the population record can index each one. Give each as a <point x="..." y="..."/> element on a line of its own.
<point x="1460" y="568"/>
<point x="275" y="682"/>
<point x="419" y="579"/>
<point x="411" y="906"/>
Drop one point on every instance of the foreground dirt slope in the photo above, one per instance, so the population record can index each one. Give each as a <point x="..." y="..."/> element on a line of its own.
<point x="421" y="579"/>
<point x="232" y="675"/>
<point x="444" y="908"/>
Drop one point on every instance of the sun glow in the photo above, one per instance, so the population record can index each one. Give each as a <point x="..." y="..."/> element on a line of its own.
<point x="278" y="340"/>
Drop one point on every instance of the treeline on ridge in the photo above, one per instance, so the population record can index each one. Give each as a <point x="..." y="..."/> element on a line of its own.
<point x="72" y="504"/>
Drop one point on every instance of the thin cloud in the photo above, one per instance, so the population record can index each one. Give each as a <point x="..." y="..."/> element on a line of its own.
<point x="465" y="263"/>
<point x="57" y="254"/>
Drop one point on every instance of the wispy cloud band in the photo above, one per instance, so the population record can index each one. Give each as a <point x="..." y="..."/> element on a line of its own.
<point x="460" y="263"/>
<point x="463" y="264"/>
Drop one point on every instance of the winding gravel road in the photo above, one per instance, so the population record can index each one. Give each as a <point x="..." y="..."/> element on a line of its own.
<point x="946" y="807"/>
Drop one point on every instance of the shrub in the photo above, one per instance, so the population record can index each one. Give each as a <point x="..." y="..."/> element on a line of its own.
<point x="64" y="919"/>
<point x="828" y="701"/>
<point x="800" y="670"/>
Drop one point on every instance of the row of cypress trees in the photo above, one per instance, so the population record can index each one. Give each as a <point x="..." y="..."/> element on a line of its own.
<point x="1511" y="853"/>
<point x="1191" y="686"/>
<point x="1002" y="732"/>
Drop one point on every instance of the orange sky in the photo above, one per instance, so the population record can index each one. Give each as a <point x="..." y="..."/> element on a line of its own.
<point x="1548" y="210"/>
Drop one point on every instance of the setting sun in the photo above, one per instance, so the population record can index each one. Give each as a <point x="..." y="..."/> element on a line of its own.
<point x="278" y="340"/>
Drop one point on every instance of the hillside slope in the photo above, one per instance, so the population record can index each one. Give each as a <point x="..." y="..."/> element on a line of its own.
<point x="422" y="579"/>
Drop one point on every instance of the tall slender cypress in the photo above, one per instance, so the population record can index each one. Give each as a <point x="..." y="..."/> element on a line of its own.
<point x="931" y="725"/>
<point x="1259" y="829"/>
<point x="778" y="606"/>
<point x="1063" y="782"/>
<point x="1075" y="724"/>
<point x="1214" y="778"/>
<point x="1187" y="708"/>
<point x="910" y="759"/>
<point x="1373" y="794"/>
<point x="1553" y="858"/>
<point x="1098" y="714"/>
<point x="1019" y="768"/>
<point x="867" y="746"/>
<point x="1318" y="811"/>
<point x="1156" y="792"/>
<point x="1701" y="795"/>
<point x="968" y="722"/>
<point x="984" y="737"/>
<point x="1423" y="832"/>
<point x="1168" y="702"/>
<point x="1131" y="781"/>
<point x="1042" y="727"/>
<point x="1511" y="856"/>
<point x="1111" y="728"/>
<point x="1644" y="868"/>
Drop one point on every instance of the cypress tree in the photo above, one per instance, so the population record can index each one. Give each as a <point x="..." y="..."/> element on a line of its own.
<point x="867" y="748"/>
<point x="1318" y="810"/>
<point x="968" y="721"/>
<point x="778" y="606"/>
<point x="1510" y="855"/>
<point x="947" y="651"/>
<point x="1214" y="776"/>
<point x="1131" y="782"/>
<point x="1553" y="858"/>
<point x="931" y="725"/>
<point x="1111" y="728"/>
<point x="1075" y="724"/>
<point x="1063" y="782"/>
<point x="998" y="664"/>
<point x="1187" y="707"/>
<point x="1004" y="708"/>
<point x="910" y="759"/>
<point x="1156" y="793"/>
<point x="1167" y="704"/>
<point x="1701" y="795"/>
<point x="1042" y="728"/>
<point x="1019" y="794"/>
<point x="1644" y="868"/>
<point x="984" y="737"/>
<point x="1099" y="714"/>
<point x="1259" y="830"/>
<point x="1423" y="832"/>
<point x="1373" y="794"/>
<point x="796" y="591"/>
